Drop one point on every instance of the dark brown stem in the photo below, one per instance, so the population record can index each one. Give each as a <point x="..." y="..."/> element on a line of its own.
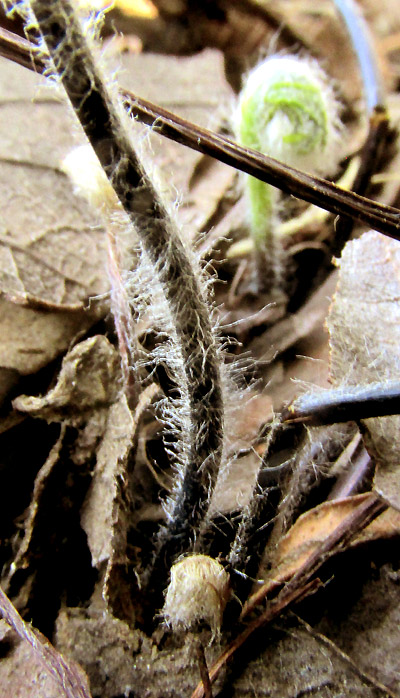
<point x="343" y="405"/>
<point x="204" y="674"/>
<point x="273" y="612"/>
<point x="101" y="119"/>
<point x="371" y="160"/>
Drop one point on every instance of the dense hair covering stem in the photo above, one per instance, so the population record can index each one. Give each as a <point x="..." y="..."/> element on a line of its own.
<point x="102" y="120"/>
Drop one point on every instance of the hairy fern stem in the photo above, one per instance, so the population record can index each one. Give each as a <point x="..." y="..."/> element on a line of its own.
<point x="102" y="119"/>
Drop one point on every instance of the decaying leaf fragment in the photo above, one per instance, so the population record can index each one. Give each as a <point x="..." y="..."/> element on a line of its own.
<point x="99" y="514"/>
<point x="87" y="381"/>
<point x="303" y="538"/>
<point x="67" y="675"/>
<point x="84" y="397"/>
<point x="364" y="328"/>
<point x="52" y="251"/>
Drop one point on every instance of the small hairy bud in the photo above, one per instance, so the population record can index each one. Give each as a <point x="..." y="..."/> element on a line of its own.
<point x="287" y="110"/>
<point x="198" y="591"/>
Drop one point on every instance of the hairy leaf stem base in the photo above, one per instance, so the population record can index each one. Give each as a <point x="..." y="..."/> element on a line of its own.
<point x="201" y="405"/>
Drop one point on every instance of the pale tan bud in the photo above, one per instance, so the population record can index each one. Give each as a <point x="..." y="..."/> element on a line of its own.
<point x="198" y="591"/>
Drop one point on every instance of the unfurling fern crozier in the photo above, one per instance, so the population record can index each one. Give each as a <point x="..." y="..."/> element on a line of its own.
<point x="286" y="110"/>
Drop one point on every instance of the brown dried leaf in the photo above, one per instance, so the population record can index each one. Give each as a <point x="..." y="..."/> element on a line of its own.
<point x="22" y="675"/>
<point x="99" y="513"/>
<point x="384" y="526"/>
<point x="36" y="649"/>
<point x="88" y="380"/>
<point x="49" y="245"/>
<point x="364" y="328"/>
<point x="310" y="530"/>
<point x="87" y="385"/>
<point x="30" y="339"/>
<point x="315" y="526"/>
<point x="296" y="327"/>
<point x="210" y="183"/>
<point x="119" y="582"/>
<point x="52" y="256"/>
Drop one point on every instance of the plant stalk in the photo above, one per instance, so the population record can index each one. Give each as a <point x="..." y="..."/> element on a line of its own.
<point x="102" y="120"/>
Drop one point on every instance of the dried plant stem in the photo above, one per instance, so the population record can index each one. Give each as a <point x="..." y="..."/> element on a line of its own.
<point x="315" y="190"/>
<point x="205" y="676"/>
<point x="101" y="120"/>
<point x="252" y="520"/>
<point x="272" y="612"/>
<point x="71" y="680"/>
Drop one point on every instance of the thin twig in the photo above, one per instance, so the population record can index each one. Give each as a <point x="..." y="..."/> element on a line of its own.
<point x="204" y="674"/>
<point x="354" y="476"/>
<point x="370" y="161"/>
<point x="71" y="680"/>
<point x="320" y="192"/>
<point x="272" y="612"/>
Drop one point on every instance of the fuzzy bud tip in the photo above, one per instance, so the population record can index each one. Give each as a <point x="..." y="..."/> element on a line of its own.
<point x="288" y="110"/>
<point x="198" y="591"/>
